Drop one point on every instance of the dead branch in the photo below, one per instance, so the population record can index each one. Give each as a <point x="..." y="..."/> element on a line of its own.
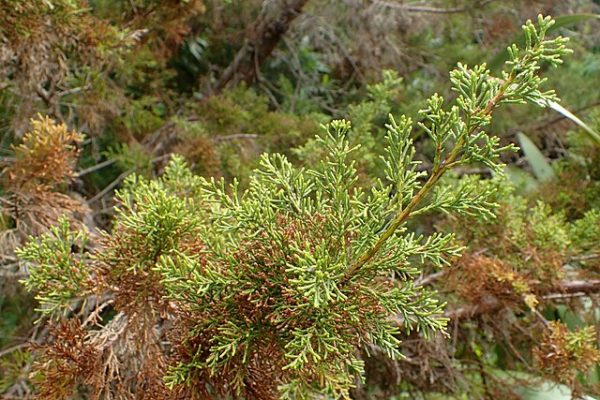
<point x="433" y="10"/>
<point x="492" y="303"/>
<point x="235" y="137"/>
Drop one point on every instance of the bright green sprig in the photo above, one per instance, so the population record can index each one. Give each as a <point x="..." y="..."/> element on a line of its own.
<point x="57" y="268"/>
<point x="458" y="132"/>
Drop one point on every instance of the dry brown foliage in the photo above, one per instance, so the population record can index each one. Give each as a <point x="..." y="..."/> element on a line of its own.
<point x="201" y="154"/>
<point x="169" y="20"/>
<point x="121" y="360"/>
<point x="129" y="351"/>
<point x="44" y="164"/>
<point x="68" y="361"/>
<point x="477" y="277"/>
<point x="39" y="44"/>
<point x="45" y="158"/>
<point x="34" y="185"/>
<point x="562" y="354"/>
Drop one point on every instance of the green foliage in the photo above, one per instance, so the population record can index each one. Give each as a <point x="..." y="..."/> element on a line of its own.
<point x="314" y="250"/>
<point x="549" y="229"/>
<point x="144" y="115"/>
<point x="520" y="233"/>
<point x="523" y="38"/>
<point x="298" y="231"/>
<point x="12" y="366"/>
<point x="233" y="128"/>
<point x="585" y="232"/>
<point x="153" y="218"/>
<point x="368" y="131"/>
<point x="130" y="158"/>
<point x="275" y="285"/>
<point x="58" y="273"/>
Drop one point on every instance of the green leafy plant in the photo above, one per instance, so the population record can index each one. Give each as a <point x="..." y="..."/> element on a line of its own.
<point x="272" y="290"/>
<point x="59" y="274"/>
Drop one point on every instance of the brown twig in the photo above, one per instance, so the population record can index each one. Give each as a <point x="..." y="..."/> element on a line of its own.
<point x="16" y="347"/>
<point x="110" y="187"/>
<point x="434" y="10"/>
<point x="96" y="167"/>
<point x="491" y="303"/>
<point x="235" y="137"/>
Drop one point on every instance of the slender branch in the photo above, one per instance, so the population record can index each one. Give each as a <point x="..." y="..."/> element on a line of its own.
<point x="437" y="173"/>
<point x="585" y="257"/>
<point x="430" y="279"/>
<point x="96" y="167"/>
<point x="400" y="218"/>
<point x="120" y="178"/>
<point x="235" y="136"/>
<point x="434" y="10"/>
<point x="74" y="90"/>
<point x="110" y="187"/>
<point x="13" y="348"/>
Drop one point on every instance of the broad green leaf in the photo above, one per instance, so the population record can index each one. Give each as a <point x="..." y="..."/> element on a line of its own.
<point x="540" y="166"/>
<point x="568" y="114"/>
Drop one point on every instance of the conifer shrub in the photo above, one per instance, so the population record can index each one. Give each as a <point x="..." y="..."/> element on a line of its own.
<point x="206" y="290"/>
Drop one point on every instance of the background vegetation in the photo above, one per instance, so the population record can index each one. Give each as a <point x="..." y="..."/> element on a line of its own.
<point x="97" y="96"/>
